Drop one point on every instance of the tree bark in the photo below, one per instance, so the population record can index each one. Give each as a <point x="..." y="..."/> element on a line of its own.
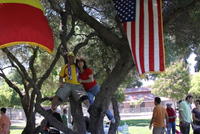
<point x="30" y="124"/>
<point x="118" y="74"/>
<point x="110" y="85"/>
<point x="78" y="120"/>
<point x="113" y="127"/>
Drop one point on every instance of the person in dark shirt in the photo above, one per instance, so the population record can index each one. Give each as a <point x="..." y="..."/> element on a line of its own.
<point x="64" y="117"/>
<point x="50" y="129"/>
<point x="196" y="117"/>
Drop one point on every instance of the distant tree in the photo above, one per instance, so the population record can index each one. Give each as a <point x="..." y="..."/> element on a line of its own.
<point x="14" y="100"/>
<point x="174" y="82"/>
<point x="195" y="85"/>
<point x="8" y="97"/>
<point x="5" y="95"/>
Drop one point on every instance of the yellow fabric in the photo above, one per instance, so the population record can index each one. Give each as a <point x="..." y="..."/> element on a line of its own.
<point x="64" y="74"/>
<point x="34" y="3"/>
<point x="25" y="43"/>
<point x="159" y="114"/>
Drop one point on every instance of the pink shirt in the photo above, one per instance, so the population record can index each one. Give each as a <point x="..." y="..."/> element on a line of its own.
<point x="4" y="124"/>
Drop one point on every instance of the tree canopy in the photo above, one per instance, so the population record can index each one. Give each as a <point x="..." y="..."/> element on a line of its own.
<point x="91" y="29"/>
<point x="174" y="82"/>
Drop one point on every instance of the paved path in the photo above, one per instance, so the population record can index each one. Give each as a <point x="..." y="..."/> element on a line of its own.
<point x="124" y="116"/>
<point x="142" y="115"/>
<point x="20" y="123"/>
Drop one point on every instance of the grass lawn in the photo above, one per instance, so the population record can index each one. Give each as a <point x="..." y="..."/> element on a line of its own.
<point x="16" y="130"/>
<point x="136" y="126"/>
<point x="141" y="126"/>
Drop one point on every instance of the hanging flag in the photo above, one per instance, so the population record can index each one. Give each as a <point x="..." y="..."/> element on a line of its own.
<point x="142" y="22"/>
<point x="23" y="22"/>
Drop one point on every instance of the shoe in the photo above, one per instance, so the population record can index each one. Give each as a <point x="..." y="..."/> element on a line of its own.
<point x="112" y="120"/>
<point x="85" y="97"/>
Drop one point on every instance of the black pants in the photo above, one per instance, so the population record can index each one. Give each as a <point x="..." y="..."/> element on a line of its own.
<point x="197" y="131"/>
<point x="185" y="128"/>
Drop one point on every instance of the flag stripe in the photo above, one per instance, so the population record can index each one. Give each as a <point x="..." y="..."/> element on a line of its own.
<point x="130" y="27"/>
<point x="141" y="35"/>
<point x="151" y="36"/>
<point x="160" y="31"/>
<point x="23" y="23"/>
<point x="146" y="37"/>
<point x="125" y="27"/>
<point x="34" y="3"/>
<point x="156" y="37"/>
<point x="129" y="34"/>
<point x="143" y="19"/>
<point x="137" y="35"/>
<point x="133" y="42"/>
<point x="130" y="31"/>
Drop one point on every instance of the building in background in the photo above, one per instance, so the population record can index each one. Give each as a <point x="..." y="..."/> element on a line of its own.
<point x="140" y="100"/>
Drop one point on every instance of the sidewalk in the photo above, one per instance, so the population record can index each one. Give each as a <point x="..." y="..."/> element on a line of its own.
<point x="19" y="123"/>
<point x="142" y="115"/>
<point x="124" y="116"/>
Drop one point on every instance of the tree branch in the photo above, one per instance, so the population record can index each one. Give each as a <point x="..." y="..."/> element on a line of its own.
<point x="178" y="11"/>
<point x="48" y="71"/>
<point x="48" y="116"/>
<point x="20" y="73"/>
<point x="13" y="86"/>
<point x="105" y="34"/>
<point x="55" y="6"/>
<point x="82" y="44"/>
<point x="31" y="63"/>
<point x="22" y="68"/>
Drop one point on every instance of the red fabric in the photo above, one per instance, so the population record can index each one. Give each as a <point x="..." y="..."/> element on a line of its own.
<point x="85" y="76"/>
<point x="151" y="36"/>
<point x="24" y="23"/>
<point x="171" y="112"/>
<point x="160" y="33"/>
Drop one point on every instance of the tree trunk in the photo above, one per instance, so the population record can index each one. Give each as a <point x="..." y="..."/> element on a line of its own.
<point x="113" y="127"/>
<point x="108" y="88"/>
<point x="78" y="119"/>
<point x="96" y="120"/>
<point x="30" y="123"/>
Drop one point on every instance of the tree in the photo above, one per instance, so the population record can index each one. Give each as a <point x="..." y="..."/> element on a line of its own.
<point x="174" y="82"/>
<point x="9" y="97"/>
<point x="85" y="24"/>
<point x="195" y="85"/>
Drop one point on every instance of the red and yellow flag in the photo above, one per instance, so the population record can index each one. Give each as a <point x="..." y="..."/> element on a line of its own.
<point x="23" y="22"/>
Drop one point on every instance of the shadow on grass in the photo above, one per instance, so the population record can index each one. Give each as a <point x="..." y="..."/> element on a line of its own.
<point x="136" y="122"/>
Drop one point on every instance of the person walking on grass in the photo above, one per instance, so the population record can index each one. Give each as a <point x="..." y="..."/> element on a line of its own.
<point x="4" y="122"/>
<point x="172" y="119"/>
<point x="159" y="117"/>
<point x="196" y="117"/>
<point x="185" y="114"/>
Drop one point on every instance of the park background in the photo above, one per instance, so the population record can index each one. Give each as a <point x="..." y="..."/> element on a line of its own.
<point x="90" y="29"/>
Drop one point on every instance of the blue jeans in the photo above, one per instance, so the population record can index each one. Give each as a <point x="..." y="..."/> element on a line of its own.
<point x="92" y="92"/>
<point x="171" y="126"/>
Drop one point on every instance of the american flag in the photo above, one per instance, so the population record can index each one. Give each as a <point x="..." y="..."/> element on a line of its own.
<point x="142" y="21"/>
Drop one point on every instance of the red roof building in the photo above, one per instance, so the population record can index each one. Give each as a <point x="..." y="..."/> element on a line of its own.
<point x="140" y="100"/>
